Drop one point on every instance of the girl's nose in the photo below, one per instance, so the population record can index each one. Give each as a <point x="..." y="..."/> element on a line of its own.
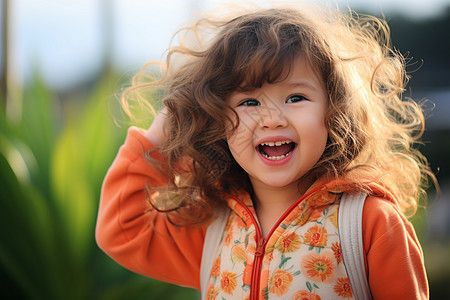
<point x="272" y="117"/>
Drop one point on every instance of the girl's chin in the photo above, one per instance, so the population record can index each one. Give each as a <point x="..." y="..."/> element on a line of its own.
<point x="281" y="181"/>
<point x="273" y="182"/>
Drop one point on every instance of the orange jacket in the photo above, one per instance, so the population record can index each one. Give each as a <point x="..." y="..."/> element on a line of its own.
<point x="143" y="240"/>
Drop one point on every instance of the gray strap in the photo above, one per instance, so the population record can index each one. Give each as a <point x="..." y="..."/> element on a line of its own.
<point x="213" y="238"/>
<point x="350" y="234"/>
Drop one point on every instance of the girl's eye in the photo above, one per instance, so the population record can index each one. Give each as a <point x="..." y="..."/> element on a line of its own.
<point x="250" y="102"/>
<point x="295" y="98"/>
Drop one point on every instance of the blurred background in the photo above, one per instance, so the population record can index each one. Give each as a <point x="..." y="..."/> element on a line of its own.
<point x="63" y="64"/>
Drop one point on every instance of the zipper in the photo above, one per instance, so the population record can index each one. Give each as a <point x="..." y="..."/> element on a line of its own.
<point x="256" y="271"/>
<point x="261" y="243"/>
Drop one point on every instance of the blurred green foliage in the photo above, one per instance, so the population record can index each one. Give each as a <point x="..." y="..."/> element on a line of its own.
<point x="52" y="164"/>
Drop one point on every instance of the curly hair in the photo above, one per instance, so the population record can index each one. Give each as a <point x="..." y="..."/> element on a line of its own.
<point x="372" y="130"/>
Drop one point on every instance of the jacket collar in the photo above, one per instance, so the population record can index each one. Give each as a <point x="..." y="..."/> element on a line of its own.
<point x="326" y="185"/>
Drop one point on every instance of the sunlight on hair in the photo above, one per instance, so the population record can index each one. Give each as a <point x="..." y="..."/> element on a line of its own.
<point x="373" y="132"/>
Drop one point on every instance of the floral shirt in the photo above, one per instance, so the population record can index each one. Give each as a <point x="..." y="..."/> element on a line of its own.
<point x="300" y="258"/>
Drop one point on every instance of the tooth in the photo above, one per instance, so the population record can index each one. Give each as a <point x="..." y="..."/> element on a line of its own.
<point x="271" y="144"/>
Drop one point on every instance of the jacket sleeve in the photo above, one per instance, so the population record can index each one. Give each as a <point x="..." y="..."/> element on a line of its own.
<point x="135" y="235"/>
<point x="394" y="258"/>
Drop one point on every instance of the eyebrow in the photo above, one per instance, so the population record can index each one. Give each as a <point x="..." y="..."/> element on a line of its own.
<point x="302" y="83"/>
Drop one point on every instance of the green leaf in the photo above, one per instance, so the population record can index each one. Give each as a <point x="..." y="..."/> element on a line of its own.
<point x="74" y="198"/>
<point x="283" y="261"/>
<point x="30" y="254"/>
<point x="308" y="285"/>
<point x="266" y="292"/>
<point x="38" y="128"/>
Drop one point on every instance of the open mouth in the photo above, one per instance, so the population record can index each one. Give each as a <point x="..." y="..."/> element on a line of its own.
<point x="276" y="150"/>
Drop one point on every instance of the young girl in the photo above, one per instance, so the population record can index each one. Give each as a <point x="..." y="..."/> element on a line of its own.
<point x="271" y="120"/>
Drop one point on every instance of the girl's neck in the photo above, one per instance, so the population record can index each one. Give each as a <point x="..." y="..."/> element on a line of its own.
<point x="271" y="202"/>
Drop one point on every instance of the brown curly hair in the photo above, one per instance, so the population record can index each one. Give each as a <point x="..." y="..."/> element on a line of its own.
<point x="372" y="131"/>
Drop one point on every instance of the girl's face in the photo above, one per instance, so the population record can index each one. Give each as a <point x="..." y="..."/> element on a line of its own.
<point x="281" y="133"/>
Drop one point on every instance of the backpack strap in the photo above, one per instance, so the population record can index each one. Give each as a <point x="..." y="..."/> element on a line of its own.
<point x="350" y="234"/>
<point x="213" y="238"/>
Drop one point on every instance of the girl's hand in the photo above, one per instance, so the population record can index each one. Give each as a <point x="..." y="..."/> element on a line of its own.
<point x="155" y="133"/>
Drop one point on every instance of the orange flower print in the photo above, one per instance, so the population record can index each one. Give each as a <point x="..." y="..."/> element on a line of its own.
<point x="268" y="257"/>
<point x="316" y="199"/>
<point x="238" y="254"/>
<point x="321" y="198"/>
<point x="288" y="243"/>
<point x="318" y="267"/>
<point x="212" y="293"/>
<point x="342" y="288"/>
<point x="251" y="238"/>
<point x="215" y="271"/>
<point x="228" y="282"/>
<point x="280" y="282"/>
<point x="304" y="216"/>
<point x="317" y="213"/>
<point x="316" y="236"/>
<point x="239" y="222"/>
<point x="305" y="295"/>
<point x="229" y="224"/>
<point x="336" y="247"/>
<point x="229" y="237"/>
